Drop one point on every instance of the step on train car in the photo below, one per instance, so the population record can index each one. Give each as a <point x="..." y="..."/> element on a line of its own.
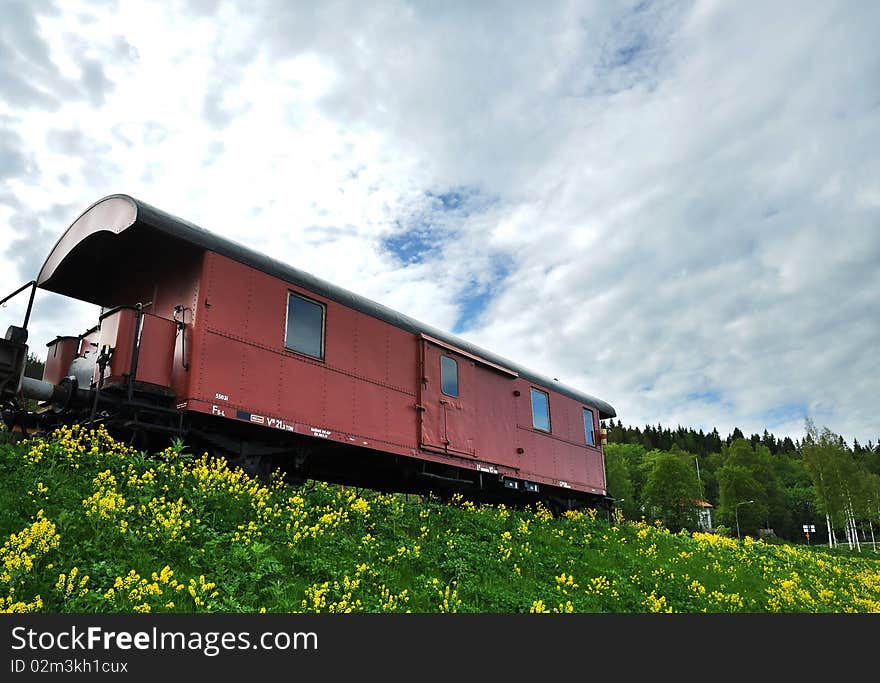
<point x="204" y="339"/>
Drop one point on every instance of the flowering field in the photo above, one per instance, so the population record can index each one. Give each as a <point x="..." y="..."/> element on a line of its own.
<point x="88" y="525"/>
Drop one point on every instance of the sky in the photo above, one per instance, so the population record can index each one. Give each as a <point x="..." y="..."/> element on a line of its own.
<point x="673" y="206"/>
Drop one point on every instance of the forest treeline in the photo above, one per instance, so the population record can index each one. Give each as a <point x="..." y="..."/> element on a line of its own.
<point x="771" y="487"/>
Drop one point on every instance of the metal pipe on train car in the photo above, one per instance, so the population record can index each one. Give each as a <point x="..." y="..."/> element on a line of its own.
<point x="37" y="389"/>
<point x="59" y="395"/>
<point x="135" y="348"/>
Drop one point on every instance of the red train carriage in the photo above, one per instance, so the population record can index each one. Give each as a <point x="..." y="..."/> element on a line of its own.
<point x="201" y="337"/>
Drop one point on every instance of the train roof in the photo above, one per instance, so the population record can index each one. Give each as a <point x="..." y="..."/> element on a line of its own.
<point x="116" y="214"/>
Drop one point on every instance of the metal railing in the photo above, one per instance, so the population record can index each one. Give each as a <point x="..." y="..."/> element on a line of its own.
<point x="27" y="316"/>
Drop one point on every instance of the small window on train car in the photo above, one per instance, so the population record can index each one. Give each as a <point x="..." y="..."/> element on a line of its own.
<point x="305" y="326"/>
<point x="448" y="376"/>
<point x="588" y="427"/>
<point x="540" y="410"/>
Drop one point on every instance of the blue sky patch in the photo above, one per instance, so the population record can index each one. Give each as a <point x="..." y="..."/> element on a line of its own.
<point x="449" y="201"/>
<point x="414" y="245"/>
<point x="785" y="413"/>
<point x="461" y="200"/>
<point x="473" y="302"/>
<point x="423" y="234"/>
<point x="708" y="396"/>
<point x="476" y="296"/>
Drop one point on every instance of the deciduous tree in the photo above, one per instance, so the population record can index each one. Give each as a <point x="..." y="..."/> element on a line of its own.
<point x="672" y="491"/>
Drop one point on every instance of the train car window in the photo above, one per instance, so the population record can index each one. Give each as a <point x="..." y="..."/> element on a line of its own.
<point x="588" y="427"/>
<point x="305" y="326"/>
<point x="448" y="376"/>
<point x="540" y="410"/>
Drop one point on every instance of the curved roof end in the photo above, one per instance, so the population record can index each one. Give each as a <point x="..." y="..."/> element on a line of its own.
<point x="111" y="214"/>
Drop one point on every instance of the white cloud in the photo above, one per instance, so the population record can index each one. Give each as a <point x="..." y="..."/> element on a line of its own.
<point x="673" y="206"/>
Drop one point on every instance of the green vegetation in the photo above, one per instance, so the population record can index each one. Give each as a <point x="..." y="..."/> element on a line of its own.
<point x="89" y="525"/>
<point x="770" y="487"/>
<point x="33" y="367"/>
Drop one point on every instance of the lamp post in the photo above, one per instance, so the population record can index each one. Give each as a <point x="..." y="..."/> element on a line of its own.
<point x="742" y="502"/>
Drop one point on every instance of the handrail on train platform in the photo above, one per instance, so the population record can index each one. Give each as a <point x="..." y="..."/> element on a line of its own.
<point x="27" y="316"/>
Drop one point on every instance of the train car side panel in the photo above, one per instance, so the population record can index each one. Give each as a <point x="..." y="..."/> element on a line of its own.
<point x="364" y="385"/>
<point x="220" y="370"/>
<point x="370" y="345"/>
<point x="448" y="401"/>
<point x="262" y="324"/>
<point x="227" y="296"/>
<point x="562" y="452"/>
<point x="302" y="390"/>
<point x="495" y="417"/>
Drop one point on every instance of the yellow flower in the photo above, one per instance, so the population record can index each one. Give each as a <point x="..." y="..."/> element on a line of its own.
<point x="538" y="607"/>
<point x="656" y="603"/>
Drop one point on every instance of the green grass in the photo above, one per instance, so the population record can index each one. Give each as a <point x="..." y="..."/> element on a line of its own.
<point x="179" y="533"/>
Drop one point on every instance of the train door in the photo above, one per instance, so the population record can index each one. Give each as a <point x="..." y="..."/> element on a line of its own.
<point x="447" y="400"/>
